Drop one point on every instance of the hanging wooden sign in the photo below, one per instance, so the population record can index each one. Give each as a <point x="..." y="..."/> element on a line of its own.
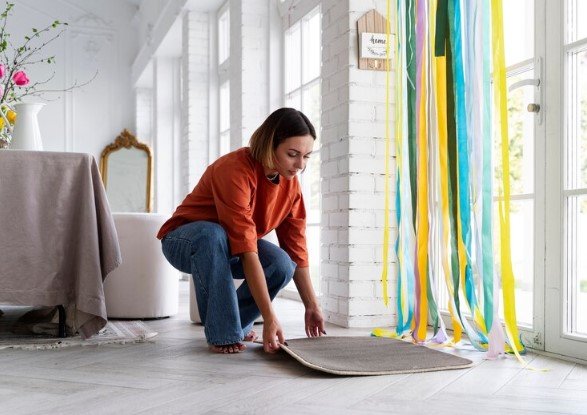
<point x="372" y="41"/>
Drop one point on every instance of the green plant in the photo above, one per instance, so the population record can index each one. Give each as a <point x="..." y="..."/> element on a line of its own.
<point x="16" y="60"/>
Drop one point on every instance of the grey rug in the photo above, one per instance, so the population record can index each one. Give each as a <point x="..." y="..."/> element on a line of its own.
<point x="361" y="356"/>
<point x="19" y="332"/>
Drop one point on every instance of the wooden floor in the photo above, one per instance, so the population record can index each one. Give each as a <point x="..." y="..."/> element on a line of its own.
<point x="177" y="375"/>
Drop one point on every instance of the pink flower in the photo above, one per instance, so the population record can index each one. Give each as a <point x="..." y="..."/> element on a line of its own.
<point x="2" y="70"/>
<point x="20" y="78"/>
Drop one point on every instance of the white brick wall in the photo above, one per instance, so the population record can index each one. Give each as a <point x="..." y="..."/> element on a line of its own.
<point x="194" y="152"/>
<point x="353" y="163"/>
<point x="353" y="145"/>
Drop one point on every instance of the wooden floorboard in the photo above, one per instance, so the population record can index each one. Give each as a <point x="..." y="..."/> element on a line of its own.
<point x="175" y="374"/>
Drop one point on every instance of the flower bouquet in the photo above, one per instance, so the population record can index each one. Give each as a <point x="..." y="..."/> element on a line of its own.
<point x="14" y="63"/>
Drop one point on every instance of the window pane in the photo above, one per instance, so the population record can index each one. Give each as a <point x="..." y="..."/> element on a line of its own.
<point x="518" y="20"/>
<point x="224" y="146"/>
<point x="294" y="100"/>
<point x="313" y="241"/>
<point x="522" y="248"/>
<point x="577" y="132"/>
<point x="521" y="135"/>
<point x="224" y="104"/>
<point x="302" y="52"/>
<point x="577" y="11"/>
<point x="311" y="177"/>
<point x="224" y="36"/>
<point x="293" y="53"/>
<point x="311" y="103"/>
<point x="577" y="262"/>
<point x="311" y="56"/>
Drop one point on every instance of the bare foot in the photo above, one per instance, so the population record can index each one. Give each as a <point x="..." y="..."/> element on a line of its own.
<point x="251" y="336"/>
<point x="227" y="348"/>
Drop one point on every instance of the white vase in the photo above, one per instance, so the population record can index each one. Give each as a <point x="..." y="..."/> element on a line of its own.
<point x="26" y="134"/>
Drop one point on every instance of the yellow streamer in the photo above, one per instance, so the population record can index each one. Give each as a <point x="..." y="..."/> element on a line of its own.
<point x="399" y="125"/>
<point x="438" y="73"/>
<point x="422" y="213"/>
<point x="439" y="81"/>
<point x="387" y="151"/>
<point x="500" y="97"/>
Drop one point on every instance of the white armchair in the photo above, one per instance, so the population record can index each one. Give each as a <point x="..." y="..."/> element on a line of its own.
<point x="145" y="285"/>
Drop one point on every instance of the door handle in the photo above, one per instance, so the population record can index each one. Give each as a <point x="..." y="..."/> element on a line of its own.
<point x="524" y="82"/>
<point x="536" y="106"/>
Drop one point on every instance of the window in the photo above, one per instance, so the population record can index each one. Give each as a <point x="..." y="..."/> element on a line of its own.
<point x="302" y="91"/>
<point x="224" y="119"/>
<point x="546" y="59"/>
<point x="519" y="55"/>
<point x="575" y="169"/>
<point x="223" y="80"/>
<point x="566" y="178"/>
<point x="519" y="51"/>
<point x="224" y="36"/>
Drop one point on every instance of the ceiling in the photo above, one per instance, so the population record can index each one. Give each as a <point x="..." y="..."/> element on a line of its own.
<point x="171" y="44"/>
<point x="196" y="5"/>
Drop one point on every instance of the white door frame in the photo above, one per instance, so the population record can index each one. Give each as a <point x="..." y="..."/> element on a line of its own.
<point x="556" y="303"/>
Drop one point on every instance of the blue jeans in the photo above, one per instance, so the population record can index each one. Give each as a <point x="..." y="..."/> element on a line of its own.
<point x="201" y="249"/>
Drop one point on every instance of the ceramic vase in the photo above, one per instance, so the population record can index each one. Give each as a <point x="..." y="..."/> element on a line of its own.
<point x="26" y="134"/>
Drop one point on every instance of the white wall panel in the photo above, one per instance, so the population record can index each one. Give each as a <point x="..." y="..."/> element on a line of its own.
<point x="99" y="39"/>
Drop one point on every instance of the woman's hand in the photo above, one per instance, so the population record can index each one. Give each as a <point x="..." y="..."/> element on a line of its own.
<point x="272" y="335"/>
<point x="314" y="322"/>
<point x="272" y="332"/>
<point x="313" y="318"/>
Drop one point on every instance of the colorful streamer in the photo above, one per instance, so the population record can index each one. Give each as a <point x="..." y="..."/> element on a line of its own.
<point x="444" y="196"/>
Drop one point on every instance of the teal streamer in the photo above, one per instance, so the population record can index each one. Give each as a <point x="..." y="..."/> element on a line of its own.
<point x="487" y="203"/>
<point x="461" y="134"/>
<point x="452" y="178"/>
<point x="473" y="82"/>
<point x="462" y="143"/>
<point x="454" y="14"/>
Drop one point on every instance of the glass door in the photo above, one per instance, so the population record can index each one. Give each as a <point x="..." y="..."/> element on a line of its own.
<point x="524" y="66"/>
<point x="566" y="179"/>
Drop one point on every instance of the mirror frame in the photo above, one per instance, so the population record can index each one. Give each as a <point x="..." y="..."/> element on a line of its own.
<point x="126" y="140"/>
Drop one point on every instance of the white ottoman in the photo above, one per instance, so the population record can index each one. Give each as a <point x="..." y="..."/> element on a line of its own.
<point x="145" y="285"/>
<point x="194" y="312"/>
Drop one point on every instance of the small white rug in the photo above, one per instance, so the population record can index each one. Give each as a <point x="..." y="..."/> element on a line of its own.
<point x="119" y="332"/>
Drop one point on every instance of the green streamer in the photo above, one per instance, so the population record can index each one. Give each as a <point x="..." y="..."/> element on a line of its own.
<point x="411" y="87"/>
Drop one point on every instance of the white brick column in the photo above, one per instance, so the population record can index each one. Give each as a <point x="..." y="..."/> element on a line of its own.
<point x="194" y="148"/>
<point x="249" y="68"/>
<point x="353" y="165"/>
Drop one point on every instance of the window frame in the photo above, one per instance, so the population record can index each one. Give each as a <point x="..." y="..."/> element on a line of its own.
<point x="223" y="80"/>
<point x="310" y="12"/>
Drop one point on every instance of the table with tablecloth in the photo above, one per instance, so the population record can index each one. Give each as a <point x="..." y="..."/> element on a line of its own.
<point x="57" y="236"/>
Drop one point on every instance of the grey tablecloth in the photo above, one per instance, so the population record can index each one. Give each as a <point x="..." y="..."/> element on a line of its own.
<point x="57" y="237"/>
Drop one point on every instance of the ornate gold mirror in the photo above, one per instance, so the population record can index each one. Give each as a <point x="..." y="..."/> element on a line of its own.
<point x="126" y="167"/>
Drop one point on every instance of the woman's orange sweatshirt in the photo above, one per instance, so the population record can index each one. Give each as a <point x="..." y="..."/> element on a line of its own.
<point x="235" y="193"/>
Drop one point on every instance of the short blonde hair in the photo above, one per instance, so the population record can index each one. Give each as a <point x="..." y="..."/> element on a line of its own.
<point x="278" y="127"/>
